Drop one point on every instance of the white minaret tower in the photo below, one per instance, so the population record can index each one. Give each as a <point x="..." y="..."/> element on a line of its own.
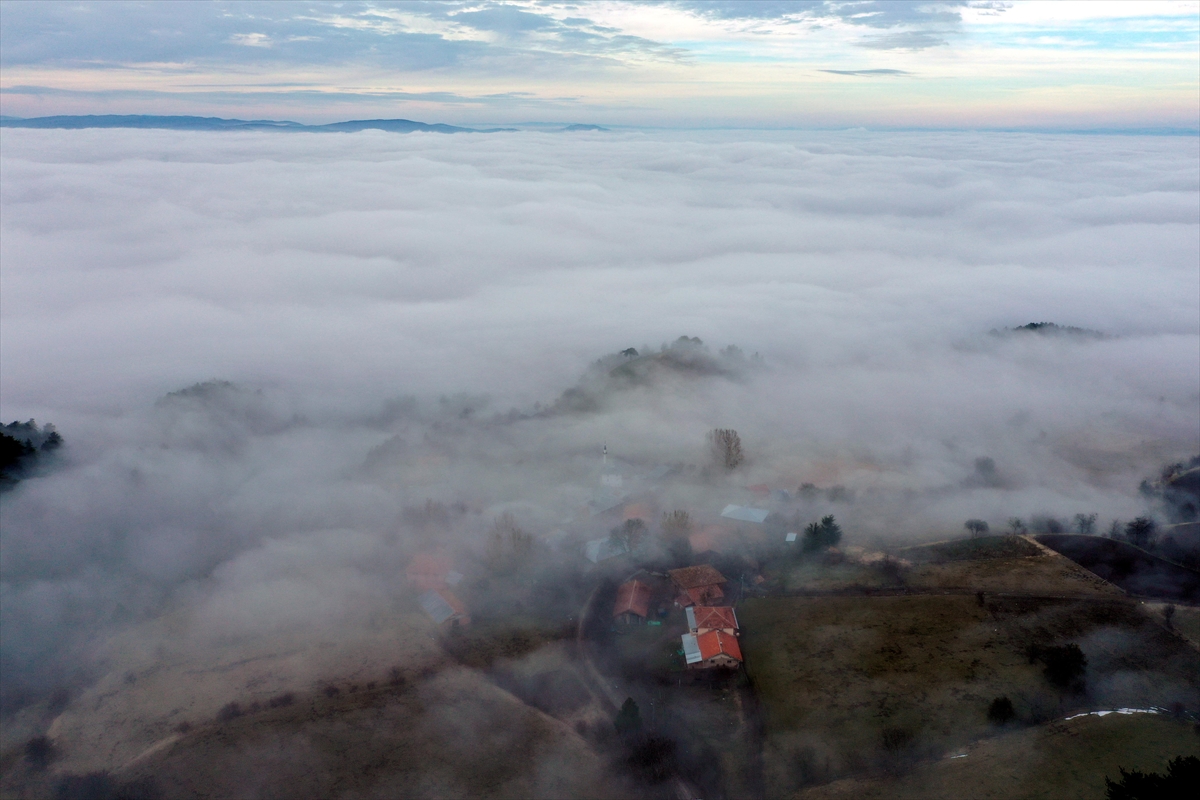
<point x="605" y="459"/>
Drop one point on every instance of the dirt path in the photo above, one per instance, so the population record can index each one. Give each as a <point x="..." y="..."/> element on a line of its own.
<point x="603" y="693"/>
<point x="601" y="690"/>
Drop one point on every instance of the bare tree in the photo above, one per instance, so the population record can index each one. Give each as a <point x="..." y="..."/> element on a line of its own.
<point x="977" y="527"/>
<point x="1017" y="525"/>
<point x="630" y="535"/>
<point x="1085" y="523"/>
<point x="1141" y="531"/>
<point x="676" y="530"/>
<point x="727" y="447"/>
<point x="508" y="545"/>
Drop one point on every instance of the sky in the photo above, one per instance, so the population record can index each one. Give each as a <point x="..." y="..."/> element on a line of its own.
<point x="980" y="64"/>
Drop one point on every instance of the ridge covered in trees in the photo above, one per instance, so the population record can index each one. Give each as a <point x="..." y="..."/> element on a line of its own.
<point x="23" y="447"/>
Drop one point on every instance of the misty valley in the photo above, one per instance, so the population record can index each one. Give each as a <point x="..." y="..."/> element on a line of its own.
<point x="593" y="596"/>
<point x="585" y="460"/>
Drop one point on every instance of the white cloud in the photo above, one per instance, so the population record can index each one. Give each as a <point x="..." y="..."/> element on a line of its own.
<point x="255" y="39"/>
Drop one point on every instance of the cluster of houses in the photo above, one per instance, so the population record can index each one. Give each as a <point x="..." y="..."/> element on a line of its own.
<point x="712" y="637"/>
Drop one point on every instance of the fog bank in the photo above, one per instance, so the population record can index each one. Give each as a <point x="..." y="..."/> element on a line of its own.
<point x="380" y="304"/>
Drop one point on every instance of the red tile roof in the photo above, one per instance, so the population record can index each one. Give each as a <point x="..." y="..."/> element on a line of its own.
<point x="632" y="596"/>
<point x="428" y="570"/>
<point x="714" y="643"/>
<point x="715" y="617"/>
<point x="703" y="595"/>
<point x="695" y="577"/>
<point x="641" y="511"/>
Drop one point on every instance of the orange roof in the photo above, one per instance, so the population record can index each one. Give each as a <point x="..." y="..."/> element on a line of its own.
<point x="701" y="595"/>
<point x="632" y="596"/>
<point x="760" y="489"/>
<point x="715" y="617"/>
<point x="715" y="643"/>
<point x="641" y="511"/>
<point x="429" y="563"/>
<point x="428" y="570"/>
<point x="695" y="577"/>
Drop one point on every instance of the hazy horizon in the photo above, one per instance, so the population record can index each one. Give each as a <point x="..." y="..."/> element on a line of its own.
<point x="304" y="381"/>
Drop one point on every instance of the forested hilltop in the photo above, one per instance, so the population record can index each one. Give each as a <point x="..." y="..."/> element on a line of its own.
<point x="24" y="447"/>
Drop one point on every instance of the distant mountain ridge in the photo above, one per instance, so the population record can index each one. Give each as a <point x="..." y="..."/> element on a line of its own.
<point x="184" y="123"/>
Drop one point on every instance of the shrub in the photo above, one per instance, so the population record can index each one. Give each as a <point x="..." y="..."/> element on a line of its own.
<point x="1065" y="665"/>
<point x="628" y="721"/>
<point x="39" y="751"/>
<point x="229" y="711"/>
<point x="1181" y="779"/>
<point x="281" y="700"/>
<point x="653" y="760"/>
<point x="1001" y="711"/>
<point x="896" y="739"/>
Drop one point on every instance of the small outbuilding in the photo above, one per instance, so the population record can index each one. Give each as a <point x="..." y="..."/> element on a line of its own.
<point x="633" y="602"/>
<point x="745" y="513"/>
<point x="598" y="550"/>
<point x="443" y="607"/>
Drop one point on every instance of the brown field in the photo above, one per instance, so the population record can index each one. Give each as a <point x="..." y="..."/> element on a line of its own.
<point x="863" y="684"/>
<point x="452" y="734"/>
<point x="1038" y="574"/>
<point x="1057" y="761"/>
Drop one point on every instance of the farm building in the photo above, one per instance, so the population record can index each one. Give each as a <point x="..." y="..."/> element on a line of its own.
<point x="633" y="602"/>
<point x="702" y="619"/>
<point x="699" y="585"/>
<point x="443" y="607"/>
<point x="745" y="513"/>
<point x="598" y="550"/>
<point x="712" y="649"/>
<point x="428" y="570"/>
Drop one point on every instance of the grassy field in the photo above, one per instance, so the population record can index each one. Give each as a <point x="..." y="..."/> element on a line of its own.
<point x="860" y="684"/>
<point x="452" y="734"/>
<point x="1186" y="619"/>
<point x="1037" y="574"/>
<point x="1058" y="761"/>
<point x="988" y="563"/>
<point x="834" y="674"/>
<point x="982" y="547"/>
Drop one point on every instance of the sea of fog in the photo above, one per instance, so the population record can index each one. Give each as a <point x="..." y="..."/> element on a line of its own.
<point x="381" y="299"/>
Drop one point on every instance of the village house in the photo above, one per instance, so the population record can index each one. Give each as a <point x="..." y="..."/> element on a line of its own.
<point x="633" y="602"/>
<point x="746" y="514"/>
<point x="431" y="570"/>
<point x="443" y="607"/>
<point x="698" y="586"/>
<point x="702" y="619"/>
<point x="599" y="550"/>
<point x="712" y="649"/>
